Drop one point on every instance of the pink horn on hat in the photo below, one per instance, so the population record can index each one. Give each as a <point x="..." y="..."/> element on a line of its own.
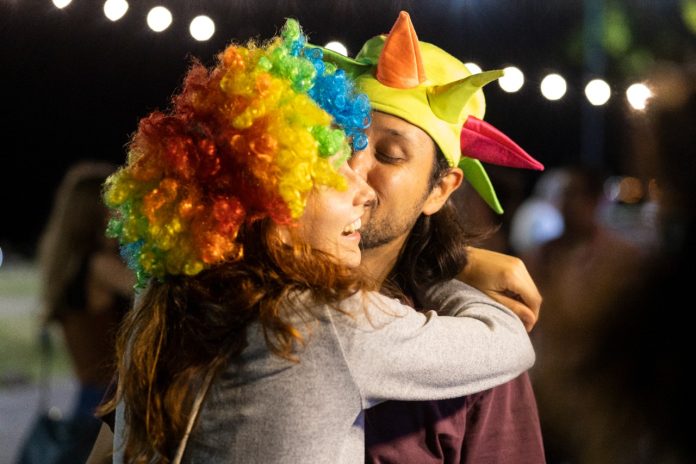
<point x="482" y="141"/>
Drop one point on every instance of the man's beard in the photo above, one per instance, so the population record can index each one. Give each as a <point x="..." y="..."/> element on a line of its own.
<point x="381" y="231"/>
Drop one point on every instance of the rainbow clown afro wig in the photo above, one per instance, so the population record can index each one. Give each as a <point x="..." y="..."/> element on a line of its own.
<point x="244" y="141"/>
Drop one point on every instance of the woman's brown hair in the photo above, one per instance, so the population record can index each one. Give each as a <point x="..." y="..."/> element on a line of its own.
<point x="186" y="326"/>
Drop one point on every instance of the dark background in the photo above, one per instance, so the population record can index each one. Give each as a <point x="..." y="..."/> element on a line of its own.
<point x="74" y="84"/>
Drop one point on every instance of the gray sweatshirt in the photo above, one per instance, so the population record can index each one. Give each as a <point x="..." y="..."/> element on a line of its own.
<point x="266" y="409"/>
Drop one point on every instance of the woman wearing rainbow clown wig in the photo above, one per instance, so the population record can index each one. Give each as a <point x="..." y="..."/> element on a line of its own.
<point x="256" y="333"/>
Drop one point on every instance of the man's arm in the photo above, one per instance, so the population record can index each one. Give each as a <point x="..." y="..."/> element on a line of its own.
<point x="505" y="279"/>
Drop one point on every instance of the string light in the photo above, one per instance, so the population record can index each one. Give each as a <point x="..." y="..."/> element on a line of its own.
<point x="473" y="68"/>
<point x="337" y="47"/>
<point x="512" y="80"/>
<point x="553" y="86"/>
<point x="60" y="4"/>
<point x="638" y="96"/>
<point x="159" y="18"/>
<point x="115" y="9"/>
<point x="202" y="28"/>
<point x="597" y="92"/>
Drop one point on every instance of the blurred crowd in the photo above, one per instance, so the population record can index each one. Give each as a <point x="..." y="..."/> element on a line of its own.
<point x="611" y="377"/>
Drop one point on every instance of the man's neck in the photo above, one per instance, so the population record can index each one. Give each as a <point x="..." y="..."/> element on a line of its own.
<point x="378" y="262"/>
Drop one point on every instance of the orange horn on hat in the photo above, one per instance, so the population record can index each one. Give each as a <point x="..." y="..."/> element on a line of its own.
<point x="400" y="64"/>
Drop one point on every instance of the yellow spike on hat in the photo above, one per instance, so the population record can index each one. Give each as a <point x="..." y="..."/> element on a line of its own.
<point x="448" y="101"/>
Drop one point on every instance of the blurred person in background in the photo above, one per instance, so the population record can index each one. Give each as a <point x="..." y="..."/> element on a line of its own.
<point x="636" y="378"/>
<point x="85" y="287"/>
<point x="573" y="272"/>
<point x="586" y="254"/>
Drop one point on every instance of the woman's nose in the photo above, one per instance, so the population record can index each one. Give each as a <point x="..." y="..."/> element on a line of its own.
<point x="363" y="194"/>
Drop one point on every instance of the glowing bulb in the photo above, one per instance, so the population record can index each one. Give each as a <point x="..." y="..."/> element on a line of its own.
<point x="512" y="80"/>
<point x="61" y="3"/>
<point x="638" y="96"/>
<point x="159" y="18"/>
<point x="337" y="47"/>
<point x="202" y="28"/>
<point x="553" y="87"/>
<point x="115" y="9"/>
<point x="473" y="68"/>
<point x="597" y="92"/>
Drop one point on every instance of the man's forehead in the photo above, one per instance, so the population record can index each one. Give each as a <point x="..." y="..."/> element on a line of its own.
<point x="393" y="126"/>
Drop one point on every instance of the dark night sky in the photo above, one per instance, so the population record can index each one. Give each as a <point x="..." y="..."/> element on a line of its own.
<point x="74" y="84"/>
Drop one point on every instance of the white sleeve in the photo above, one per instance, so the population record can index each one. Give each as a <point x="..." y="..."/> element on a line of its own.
<point x="396" y="353"/>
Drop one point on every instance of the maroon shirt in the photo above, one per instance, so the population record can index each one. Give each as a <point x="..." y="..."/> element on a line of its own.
<point x="497" y="426"/>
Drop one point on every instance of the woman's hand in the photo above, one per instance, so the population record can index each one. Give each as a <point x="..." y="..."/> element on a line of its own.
<point x="505" y="279"/>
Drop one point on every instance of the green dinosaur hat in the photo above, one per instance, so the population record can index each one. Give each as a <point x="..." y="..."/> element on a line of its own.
<point x="428" y="87"/>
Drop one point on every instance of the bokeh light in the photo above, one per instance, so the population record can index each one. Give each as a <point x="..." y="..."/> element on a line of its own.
<point x="473" y="68"/>
<point x="159" y="18"/>
<point x="61" y="3"/>
<point x="512" y="80"/>
<point x="688" y="11"/>
<point x="597" y="92"/>
<point x="553" y="87"/>
<point x="638" y="96"/>
<point x="115" y="9"/>
<point x="337" y="47"/>
<point x="202" y="28"/>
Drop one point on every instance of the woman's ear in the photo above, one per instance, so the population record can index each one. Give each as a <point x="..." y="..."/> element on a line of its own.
<point x="442" y="191"/>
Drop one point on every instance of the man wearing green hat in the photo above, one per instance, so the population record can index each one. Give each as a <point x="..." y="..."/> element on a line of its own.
<point x="426" y="137"/>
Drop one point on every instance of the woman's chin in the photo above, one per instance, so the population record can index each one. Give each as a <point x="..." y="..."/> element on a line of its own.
<point x="350" y="258"/>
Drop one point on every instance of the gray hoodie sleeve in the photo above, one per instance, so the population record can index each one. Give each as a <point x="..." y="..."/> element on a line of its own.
<point x="395" y="352"/>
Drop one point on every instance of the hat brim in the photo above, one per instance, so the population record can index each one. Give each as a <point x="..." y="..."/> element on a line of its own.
<point x="351" y="66"/>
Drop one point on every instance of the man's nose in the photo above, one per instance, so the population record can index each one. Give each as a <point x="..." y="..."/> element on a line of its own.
<point x="361" y="162"/>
